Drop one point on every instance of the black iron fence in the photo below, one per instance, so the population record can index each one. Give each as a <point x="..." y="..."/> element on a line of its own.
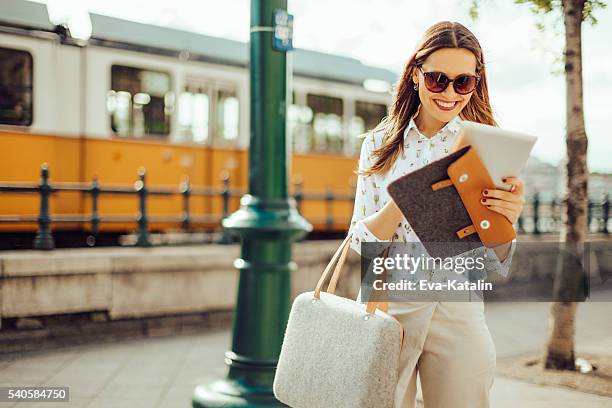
<point x="538" y="216"/>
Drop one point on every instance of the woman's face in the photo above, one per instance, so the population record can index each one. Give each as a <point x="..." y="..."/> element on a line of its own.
<point x="446" y="105"/>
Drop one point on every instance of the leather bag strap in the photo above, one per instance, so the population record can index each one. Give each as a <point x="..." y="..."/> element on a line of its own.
<point x="340" y="255"/>
<point x="342" y="252"/>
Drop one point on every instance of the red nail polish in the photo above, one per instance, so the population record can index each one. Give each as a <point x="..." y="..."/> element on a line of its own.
<point x="486" y="192"/>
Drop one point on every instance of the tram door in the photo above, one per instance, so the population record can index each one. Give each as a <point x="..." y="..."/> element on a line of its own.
<point x="208" y="116"/>
<point x="229" y="159"/>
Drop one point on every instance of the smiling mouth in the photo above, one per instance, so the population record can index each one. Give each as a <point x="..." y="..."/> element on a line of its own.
<point x="447" y="106"/>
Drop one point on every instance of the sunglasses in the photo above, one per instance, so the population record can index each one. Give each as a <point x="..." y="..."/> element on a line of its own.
<point x="437" y="82"/>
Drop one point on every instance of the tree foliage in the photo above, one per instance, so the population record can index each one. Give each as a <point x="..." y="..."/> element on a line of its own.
<point x="549" y="22"/>
<point x="540" y="7"/>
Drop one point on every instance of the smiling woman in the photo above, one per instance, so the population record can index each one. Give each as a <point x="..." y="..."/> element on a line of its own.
<point x="443" y="84"/>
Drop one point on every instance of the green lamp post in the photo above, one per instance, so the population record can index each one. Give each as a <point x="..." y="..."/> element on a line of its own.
<point x="267" y="223"/>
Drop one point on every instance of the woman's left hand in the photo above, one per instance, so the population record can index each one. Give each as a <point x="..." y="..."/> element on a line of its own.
<point x="508" y="203"/>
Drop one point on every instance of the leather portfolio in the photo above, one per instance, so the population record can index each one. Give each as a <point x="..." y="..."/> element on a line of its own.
<point x="441" y="202"/>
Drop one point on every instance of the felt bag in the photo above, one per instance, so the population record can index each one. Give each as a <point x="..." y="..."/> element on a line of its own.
<point x="338" y="352"/>
<point x="441" y="202"/>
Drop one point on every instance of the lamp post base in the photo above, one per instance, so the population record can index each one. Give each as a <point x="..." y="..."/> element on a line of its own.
<point x="228" y="393"/>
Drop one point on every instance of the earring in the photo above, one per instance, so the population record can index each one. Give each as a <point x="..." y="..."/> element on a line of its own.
<point x="416" y="87"/>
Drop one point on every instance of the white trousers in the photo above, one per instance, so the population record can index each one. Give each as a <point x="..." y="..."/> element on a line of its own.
<point x="450" y="346"/>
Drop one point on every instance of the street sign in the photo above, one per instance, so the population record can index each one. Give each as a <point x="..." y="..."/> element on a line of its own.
<point x="282" y="33"/>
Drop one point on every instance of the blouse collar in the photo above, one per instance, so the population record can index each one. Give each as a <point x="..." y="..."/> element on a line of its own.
<point x="453" y="126"/>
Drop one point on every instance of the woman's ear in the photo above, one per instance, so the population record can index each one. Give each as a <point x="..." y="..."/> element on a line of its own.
<point x="415" y="76"/>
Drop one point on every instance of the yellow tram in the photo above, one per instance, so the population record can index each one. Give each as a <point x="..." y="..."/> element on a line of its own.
<point x="173" y="102"/>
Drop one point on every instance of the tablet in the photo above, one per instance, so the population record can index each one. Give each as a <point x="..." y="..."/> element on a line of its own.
<point x="503" y="152"/>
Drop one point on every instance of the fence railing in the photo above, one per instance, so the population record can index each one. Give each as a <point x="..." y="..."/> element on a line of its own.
<point x="538" y="217"/>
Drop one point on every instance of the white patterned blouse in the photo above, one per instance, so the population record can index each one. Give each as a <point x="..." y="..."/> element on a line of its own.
<point x="372" y="195"/>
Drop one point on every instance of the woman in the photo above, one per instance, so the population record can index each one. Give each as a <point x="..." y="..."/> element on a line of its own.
<point x="448" y="343"/>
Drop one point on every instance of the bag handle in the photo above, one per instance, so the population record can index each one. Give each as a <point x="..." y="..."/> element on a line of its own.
<point x="342" y="252"/>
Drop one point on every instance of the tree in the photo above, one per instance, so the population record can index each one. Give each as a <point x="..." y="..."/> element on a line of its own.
<point x="559" y="352"/>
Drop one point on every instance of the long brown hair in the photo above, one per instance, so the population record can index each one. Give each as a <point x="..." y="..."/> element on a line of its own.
<point x="406" y="100"/>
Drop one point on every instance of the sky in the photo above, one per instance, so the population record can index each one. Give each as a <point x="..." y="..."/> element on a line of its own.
<point x="526" y="85"/>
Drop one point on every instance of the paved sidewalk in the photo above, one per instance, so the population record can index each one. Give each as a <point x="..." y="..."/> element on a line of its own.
<point x="162" y="372"/>
<point x="508" y="393"/>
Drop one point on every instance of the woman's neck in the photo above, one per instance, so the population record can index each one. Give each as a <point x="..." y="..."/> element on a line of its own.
<point x="427" y="124"/>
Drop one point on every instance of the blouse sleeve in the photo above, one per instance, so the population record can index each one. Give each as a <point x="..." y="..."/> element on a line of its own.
<point x="492" y="262"/>
<point x="367" y="202"/>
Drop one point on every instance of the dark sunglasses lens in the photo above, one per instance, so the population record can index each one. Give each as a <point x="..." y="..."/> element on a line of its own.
<point x="464" y="84"/>
<point x="436" y="81"/>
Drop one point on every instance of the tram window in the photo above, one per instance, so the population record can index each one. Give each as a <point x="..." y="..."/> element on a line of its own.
<point x="140" y="101"/>
<point x="228" y="115"/>
<point x="193" y="116"/>
<point x="298" y="120"/>
<point x="326" y="130"/>
<point x="15" y="87"/>
<point x="356" y="126"/>
<point x="367" y="116"/>
<point x="370" y="113"/>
